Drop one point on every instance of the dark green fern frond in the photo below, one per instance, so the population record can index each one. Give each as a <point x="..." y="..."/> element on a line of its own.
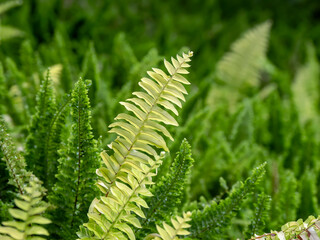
<point x="16" y="164"/>
<point x="134" y="158"/>
<point x="73" y="192"/>
<point x="261" y="208"/>
<point x="38" y="131"/>
<point x="211" y="222"/>
<point x="168" y="192"/>
<point x="28" y="219"/>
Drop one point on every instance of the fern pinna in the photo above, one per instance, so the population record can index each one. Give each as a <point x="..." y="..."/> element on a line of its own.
<point x="134" y="159"/>
<point x="73" y="192"/>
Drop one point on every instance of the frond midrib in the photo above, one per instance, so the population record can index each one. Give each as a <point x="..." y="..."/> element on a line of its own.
<point x="123" y="207"/>
<point x="155" y="102"/>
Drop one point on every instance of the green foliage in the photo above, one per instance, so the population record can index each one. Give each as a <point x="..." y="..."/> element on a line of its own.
<point x="15" y="163"/>
<point x="169" y="191"/>
<point x="129" y="170"/>
<point x="172" y="233"/>
<point x="28" y="219"/>
<point x="214" y="219"/>
<point x="261" y="209"/>
<point x="8" y="32"/>
<point x="73" y="192"/>
<point x="39" y="150"/>
<point x="243" y="107"/>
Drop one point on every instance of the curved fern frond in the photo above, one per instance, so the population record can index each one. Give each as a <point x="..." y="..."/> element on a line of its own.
<point x="215" y="218"/>
<point x="308" y="229"/>
<point x="173" y="233"/>
<point x="242" y="64"/>
<point x="73" y="192"/>
<point x="16" y="164"/>
<point x="28" y="216"/>
<point x="130" y="168"/>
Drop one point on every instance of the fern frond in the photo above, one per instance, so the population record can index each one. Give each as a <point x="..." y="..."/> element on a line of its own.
<point x="261" y="208"/>
<point x="127" y="172"/>
<point x="169" y="190"/>
<point x="305" y="88"/>
<point x="16" y="164"/>
<point x="72" y="192"/>
<point x="215" y="218"/>
<point x="43" y="167"/>
<point x="28" y="219"/>
<point x="240" y="67"/>
<point x="308" y="229"/>
<point x="172" y="233"/>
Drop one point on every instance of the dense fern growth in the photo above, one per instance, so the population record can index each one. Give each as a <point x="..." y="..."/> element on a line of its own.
<point x="36" y="157"/>
<point x="214" y="219"/>
<point x="169" y="191"/>
<point x="134" y="159"/>
<point x="28" y="219"/>
<point x="73" y="190"/>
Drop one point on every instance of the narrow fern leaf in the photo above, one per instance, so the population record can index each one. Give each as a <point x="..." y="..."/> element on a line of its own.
<point x="44" y="168"/>
<point x="240" y="67"/>
<point x="16" y="164"/>
<point x="72" y="192"/>
<point x="134" y="158"/>
<point x="214" y="219"/>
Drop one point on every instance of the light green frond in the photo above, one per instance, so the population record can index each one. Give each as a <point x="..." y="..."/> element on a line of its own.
<point x="28" y="216"/>
<point x="134" y="157"/>
<point x="141" y="132"/>
<point x="168" y="232"/>
<point x="305" y="87"/>
<point x="308" y="229"/>
<point x="242" y="64"/>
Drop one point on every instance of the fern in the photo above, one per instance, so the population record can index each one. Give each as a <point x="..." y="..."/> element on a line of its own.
<point x="240" y="67"/>
<point x="72" y="192"/>
<point x="43" y="167"/>
<point x="211" y="222"/>
<point x="127" y="172"/>
<point x="172" y="233"/>
<point x="305" y="88"/>
<point x="28" y="216"/>
<point x="16" y="165"/>
<point x="168" y="192"/>
<point x="308" y="229"/>
<point x="261" y="208"/>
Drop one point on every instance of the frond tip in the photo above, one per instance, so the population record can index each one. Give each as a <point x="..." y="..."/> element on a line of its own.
<point x="172" y="233"/>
